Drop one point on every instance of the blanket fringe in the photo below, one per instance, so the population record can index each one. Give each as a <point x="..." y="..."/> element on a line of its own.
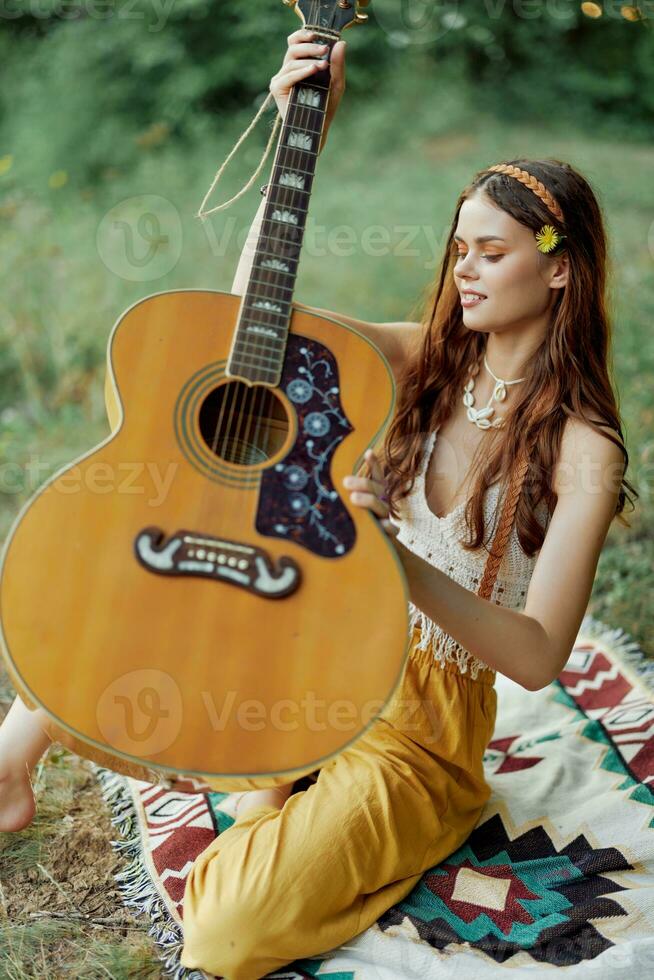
<point x="134" y="882"/>
<point x="626" y="649"/>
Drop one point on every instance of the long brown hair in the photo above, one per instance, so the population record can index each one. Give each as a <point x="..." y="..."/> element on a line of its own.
<point x="568" y="375"/>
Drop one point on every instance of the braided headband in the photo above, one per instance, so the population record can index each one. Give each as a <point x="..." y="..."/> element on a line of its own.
<point x="533" y="184"/>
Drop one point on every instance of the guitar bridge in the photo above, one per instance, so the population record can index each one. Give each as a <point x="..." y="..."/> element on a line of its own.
<point x="189" y="554"/>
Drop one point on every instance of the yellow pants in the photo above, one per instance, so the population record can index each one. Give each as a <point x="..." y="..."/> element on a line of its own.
<point x="279" y="885"/>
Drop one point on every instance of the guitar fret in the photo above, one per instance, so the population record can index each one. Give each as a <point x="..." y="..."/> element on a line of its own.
<point x="258" y="311"/>
<point x="275" y="274"/>
<point x="284" y="224"/>
<point x="258" y="356"/>
<point x="263" y="255"/>
<point x="267" y="326"/>
<point x="287" y="226"/>
<point x="254" y="315"/>
<point x="254" y="303"/>
<point x="299" y="187"/>
<point x="244" y="324"/>
<point x="299" y="149"/>
<point x="294" y="207"/>
<point x="307" y="173"/>
<point x="303" y="116"/>
<point x="272" y="285"/>
<point x="283" y="317"/>
<point x="266" y="342"/>
<point x="273" y="189"/>
<point x="285" y="151"/>
<point x="267" y="333"/>
<point x="292" y="229"/>
<point x="247" y="360"/>
<point x="284" y="241"/>
<point x="241" y="368"/>
<point x="300" y="127"/>
<point x="265" y="303"/>
<point x="299" y="95"/>
<point x="254" y="299"/>
<point x="274" y="255"/>
<point x="255" y="360"/>
<point x="281" y="236"/>
<point x="313" y="83"/>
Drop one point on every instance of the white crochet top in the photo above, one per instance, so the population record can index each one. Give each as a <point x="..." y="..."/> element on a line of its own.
<point x="437" y="541"/>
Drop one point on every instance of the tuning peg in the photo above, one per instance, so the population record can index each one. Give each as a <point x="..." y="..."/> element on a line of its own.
<point x="289" y="3"/>
<point x="360" y="18"/>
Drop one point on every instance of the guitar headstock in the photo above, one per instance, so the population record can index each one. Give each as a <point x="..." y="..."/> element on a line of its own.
<point x="333" y="15"/>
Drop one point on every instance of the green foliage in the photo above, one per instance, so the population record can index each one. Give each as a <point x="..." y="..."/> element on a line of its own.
<point x="88" y="83"/>
<point x="550" y="61"/>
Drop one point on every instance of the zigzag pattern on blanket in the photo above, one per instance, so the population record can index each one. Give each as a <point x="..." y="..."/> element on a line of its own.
<point x="557" y="873"/>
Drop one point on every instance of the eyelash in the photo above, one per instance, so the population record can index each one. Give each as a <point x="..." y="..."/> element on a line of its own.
<point x="491" y="258"/>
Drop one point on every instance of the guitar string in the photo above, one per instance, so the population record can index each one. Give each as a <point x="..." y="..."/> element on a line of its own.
<point x="300" y="117"/>
<point x="236" y="388"/>
<point x="304" y="117"/>
<point x="249" y="400"/>
<point x="324" y="90"/>
<point x="297" y="117"/>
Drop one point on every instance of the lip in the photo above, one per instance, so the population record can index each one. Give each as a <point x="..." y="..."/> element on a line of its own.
<point x="469" y="304"/>
<point x="475" y="291"/>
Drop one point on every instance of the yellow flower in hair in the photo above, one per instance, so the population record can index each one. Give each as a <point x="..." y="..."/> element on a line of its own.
<point x="548" y="238"/>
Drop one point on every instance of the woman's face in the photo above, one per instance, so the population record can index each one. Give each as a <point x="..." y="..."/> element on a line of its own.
<point x="519" y="283"/>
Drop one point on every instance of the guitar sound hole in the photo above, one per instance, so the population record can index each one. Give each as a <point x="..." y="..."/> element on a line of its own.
<point x="243" y="424"/>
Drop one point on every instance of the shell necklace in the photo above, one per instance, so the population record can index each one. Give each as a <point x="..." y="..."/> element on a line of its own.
<point x="481" y="416"/>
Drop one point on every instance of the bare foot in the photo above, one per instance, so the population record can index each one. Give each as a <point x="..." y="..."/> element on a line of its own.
<point x="252" y="799"/>
<point x="17" y="805"/>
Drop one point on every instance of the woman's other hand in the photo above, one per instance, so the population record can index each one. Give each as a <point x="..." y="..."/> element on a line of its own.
<point x="369" y="492"/>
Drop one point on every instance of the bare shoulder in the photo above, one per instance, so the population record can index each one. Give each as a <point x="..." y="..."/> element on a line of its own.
<point x="409" y="335"/>
<point x="590" y="457"/>
<point x="399" y="340"/>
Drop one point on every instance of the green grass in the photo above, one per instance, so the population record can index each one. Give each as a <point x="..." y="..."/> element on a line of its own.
<point x="57" y="948"/>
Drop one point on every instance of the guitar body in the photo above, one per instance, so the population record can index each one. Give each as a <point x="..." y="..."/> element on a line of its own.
<point x="189" y="599"/>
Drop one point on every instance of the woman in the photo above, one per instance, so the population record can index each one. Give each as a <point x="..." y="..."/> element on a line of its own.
<point x="518" y="312"/>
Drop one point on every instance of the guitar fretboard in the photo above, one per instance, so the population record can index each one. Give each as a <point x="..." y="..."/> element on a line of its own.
<point x="260" y="337"/>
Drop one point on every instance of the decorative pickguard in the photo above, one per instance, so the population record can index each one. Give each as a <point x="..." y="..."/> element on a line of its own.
<point x="297" y="499"/>
<point x="186" y="553"/>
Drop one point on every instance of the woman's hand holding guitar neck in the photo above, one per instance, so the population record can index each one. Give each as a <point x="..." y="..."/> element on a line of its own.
<point x="302" y="60"/>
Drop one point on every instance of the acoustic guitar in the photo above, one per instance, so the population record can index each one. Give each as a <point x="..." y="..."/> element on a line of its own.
<point x="195" y="598"/>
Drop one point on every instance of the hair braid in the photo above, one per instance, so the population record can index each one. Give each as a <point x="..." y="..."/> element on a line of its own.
<point x="504" y="528"/>
<point x="533" y="184"/>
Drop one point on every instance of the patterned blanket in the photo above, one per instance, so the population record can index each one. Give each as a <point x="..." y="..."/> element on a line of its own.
<point x="559" y="871"/>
